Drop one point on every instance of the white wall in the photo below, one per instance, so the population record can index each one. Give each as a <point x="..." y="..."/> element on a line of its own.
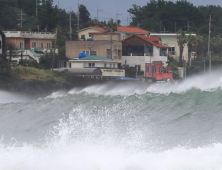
<point x="134" y="60"/>
<point x="77" y="65"/>
<point x="113" y="72"/>
<point x="170" y="40"/>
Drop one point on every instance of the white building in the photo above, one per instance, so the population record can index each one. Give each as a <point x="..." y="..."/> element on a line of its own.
<point x="170" y="40"/>
<point x="141" y="49"/>
<point x="108" y="67"/>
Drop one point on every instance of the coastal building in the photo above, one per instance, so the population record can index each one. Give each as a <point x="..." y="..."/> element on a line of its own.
<point x="84" y="33"/>
<point x="170" y="40"/>
<point x="30" y="45"/>
<point x="139" y="50"/>
<point x="97" y="48"/>
<point x="126" y="32"/>
<point x="108" y="66"/>
<point x="2" y="44"/>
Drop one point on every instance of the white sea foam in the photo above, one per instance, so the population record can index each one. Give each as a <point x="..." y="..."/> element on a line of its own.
<point x="83" y="156"/>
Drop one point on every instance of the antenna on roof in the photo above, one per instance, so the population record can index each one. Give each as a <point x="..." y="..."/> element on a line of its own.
<point x="98" y="14"/>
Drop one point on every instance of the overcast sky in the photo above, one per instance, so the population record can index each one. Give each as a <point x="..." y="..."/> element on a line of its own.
<point x="112" y="7"/>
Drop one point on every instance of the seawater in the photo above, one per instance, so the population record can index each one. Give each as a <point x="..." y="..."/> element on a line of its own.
<point x="115" y="127"/>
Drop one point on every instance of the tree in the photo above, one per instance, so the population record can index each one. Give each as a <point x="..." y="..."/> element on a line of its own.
<point x="111" y="26"/>
<point x="48" y="15"/>
<point x="181" y="40"/>
<point x="84" y="14"/>
<point x="190" y="44"/>
<point x="11" y="50"/>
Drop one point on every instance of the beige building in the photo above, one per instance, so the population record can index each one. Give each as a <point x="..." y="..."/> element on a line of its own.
<point x="99" y="48"/>
<point x="170" y="40"/>
<point x="83" y="34"/>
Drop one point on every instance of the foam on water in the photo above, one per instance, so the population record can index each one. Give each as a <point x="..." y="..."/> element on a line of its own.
<point x="106" y="127"/>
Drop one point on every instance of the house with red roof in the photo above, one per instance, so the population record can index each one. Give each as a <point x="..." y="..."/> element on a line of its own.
<point x="129" y="31"/>
<point x="83" y="34"/>
<point x="142" y="50"/>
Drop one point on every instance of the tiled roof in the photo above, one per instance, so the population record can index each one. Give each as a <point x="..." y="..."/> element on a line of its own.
<point x="94" y="57"/>
<point x="95" y="27"/>
<point x="98" y="28"/>
<point x="151" y="40"/>
<point x="131" y="29"/>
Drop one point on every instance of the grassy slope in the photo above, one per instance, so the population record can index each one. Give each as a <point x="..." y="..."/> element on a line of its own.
<point x="30" y="73"/>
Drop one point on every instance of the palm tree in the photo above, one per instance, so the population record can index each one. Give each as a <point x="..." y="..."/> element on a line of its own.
<point x="182" y="40"/>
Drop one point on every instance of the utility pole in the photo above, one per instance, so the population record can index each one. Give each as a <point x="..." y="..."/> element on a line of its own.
<point x="175" y="26"/>
<point x="78" y="13"/>
<point x="36" y="8"/>
<point x="117" y="16"/>
<point x="111" y="44"/>
<point x="70" y="26"/>
<point x="209" y="52"/>
<point x="98" y="14"/>
<point x="21" y="17"/>
<point x="54" y="51"/>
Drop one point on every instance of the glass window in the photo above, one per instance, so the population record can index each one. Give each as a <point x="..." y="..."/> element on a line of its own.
<point x="104" y="64"/>
<point x="82" y="37"/>
<point x="48" y="45"/>
<point x="90" y="64"/>
<point x="33" y="44"/>
<point x="110" y="65"/>
<point x="147" y="68"/>
<point x="108" y="51"/>
<point x="21" y="45"/>
<point x="114" y="65"/>
<point x="41" y="45"/>
<point x="93" y="52"/>
<point x="93" y="64"/>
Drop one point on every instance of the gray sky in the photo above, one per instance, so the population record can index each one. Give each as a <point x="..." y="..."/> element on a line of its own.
<point x="112" y="7"/>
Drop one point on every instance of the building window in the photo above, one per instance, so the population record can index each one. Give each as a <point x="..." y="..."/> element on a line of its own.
<point x="48" y="45"/>
<point x="110" y="65"/>
<point x="33" y="44"/>
<point x="87" y="52"/>
<point x="91" y="64"/>
<point x="21" y="45"/>
<point x="82" y="37"/>
<point x="0" y="45"/>
<point x="114" y="65"/>
<point x="147" y="68"/>
<point x="163" y="52"/>
<point x="171" y="51"/>
<point x="108" y="51"/>
<point x="41" y="45"/>
<point x="154" y="69"/>
<point x="104" y="64"/>
<point x="93" y="52"/>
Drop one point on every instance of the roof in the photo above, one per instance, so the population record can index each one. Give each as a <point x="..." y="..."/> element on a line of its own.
<point x="151" y="40"/>
<point x="131" y="30"/>
<point x="94" y="27"/>
<point x="83" y="71"/>
<point x="94" y="57"/>
<point x="98" y="28"/>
